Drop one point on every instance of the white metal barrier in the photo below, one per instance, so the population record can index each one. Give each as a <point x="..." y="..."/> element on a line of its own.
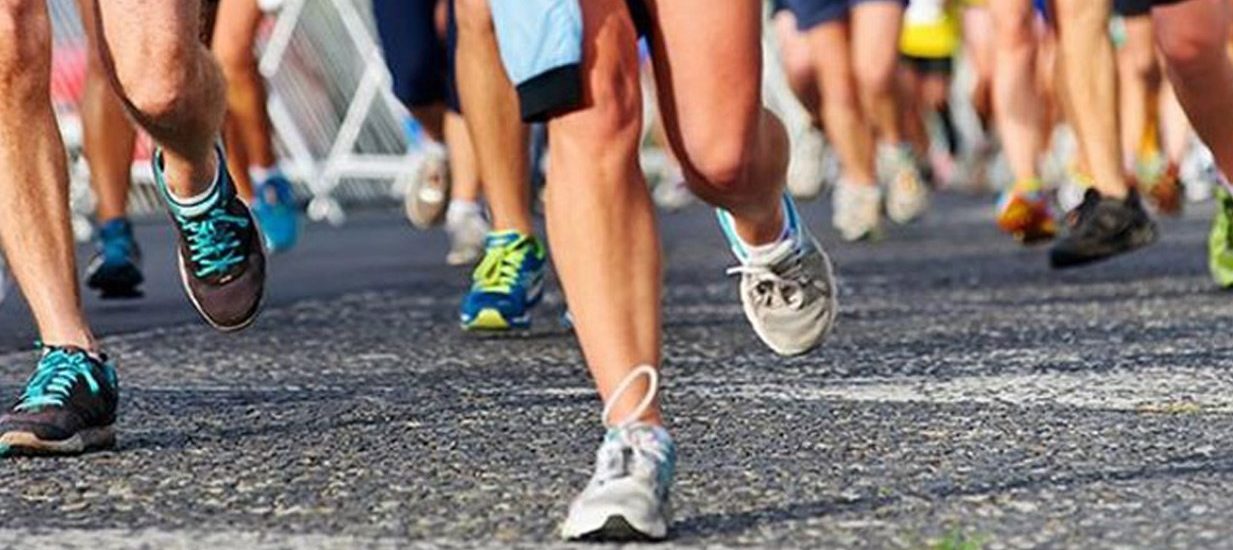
<point x="338" y="128"/>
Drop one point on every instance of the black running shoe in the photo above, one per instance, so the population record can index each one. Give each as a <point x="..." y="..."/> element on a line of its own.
<point x="115" y="269"/>
<point x="221" y="256"/>
<point x="1101" y="228"/>
<point x="68" y="406"/>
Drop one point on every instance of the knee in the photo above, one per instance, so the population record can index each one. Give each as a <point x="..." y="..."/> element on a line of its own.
<point x="25" y="49"/>
<point x="719" y="158"/>
<point x="158" y="88"/>
<point x="473" y="16"/>
<point x="236" y="58"/>
<point x="1191" y="49"/>
<point x="875" y="80"/>
<point x="1013" y="30"/>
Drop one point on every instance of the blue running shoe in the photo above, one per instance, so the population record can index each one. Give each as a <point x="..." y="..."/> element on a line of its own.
<point x="115" y="269"/>
<point x="68" y="406"/>
<point x="276" y="212"/>
<point x="506" y="284"/>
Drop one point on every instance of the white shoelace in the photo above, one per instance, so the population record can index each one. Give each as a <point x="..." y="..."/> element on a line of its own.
<point x="775" y="289"/>
<point x="645" y="449"/>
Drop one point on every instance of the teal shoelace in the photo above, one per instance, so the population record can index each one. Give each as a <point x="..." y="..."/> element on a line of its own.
<point x="53" y="380"/>
<point x="213" y="241"/>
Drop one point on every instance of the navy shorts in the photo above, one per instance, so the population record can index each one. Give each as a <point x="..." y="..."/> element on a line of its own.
<point x="420" y="61"/>
<point x="811" y="13"/>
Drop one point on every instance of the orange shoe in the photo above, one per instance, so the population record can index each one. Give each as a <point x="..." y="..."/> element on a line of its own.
<point x="1027" y="216"/>
<point x="1166" y="193"/>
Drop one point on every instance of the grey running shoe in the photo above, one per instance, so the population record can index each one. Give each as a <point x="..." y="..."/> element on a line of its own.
<point x="807" y="166"/>
<point x="429" y="193"/>
<point x="788" y="293"/>
<point x="907" y="198"/>
<point x="857" y="210"/>
<point x="468" y="231"/>
<point x="627" y="497"/>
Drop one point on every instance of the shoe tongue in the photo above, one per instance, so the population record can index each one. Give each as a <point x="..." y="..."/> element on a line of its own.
<point x="501" y="238"/>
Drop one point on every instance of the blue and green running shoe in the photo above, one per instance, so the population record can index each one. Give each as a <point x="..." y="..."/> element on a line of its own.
<point x="67" y="407"/>
<point x="275" y="208"/>
<point x="115" y="268"/>
<point x="1220" y="240"/>
<point x="506" y="284"/>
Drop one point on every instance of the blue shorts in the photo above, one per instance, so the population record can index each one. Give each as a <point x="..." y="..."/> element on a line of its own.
<point x="811" y="13"/>
<point x="419" y="60"/>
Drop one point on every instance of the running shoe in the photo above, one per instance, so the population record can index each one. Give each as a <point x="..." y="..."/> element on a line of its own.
<point x="67" y="407"/>
<point x="1220" y="241"/>
<point x="429" y="192"/>
<point x="788" y="291"/>
<point x="115" y="269"/>
<point x="857" y="210"/>
<point x="221" y="257"/>
<point x="907" y="197"/>
<point x="1027" y="216"/>
<point x="468" y="230"/>
<point x="1166" y="191"/>
<point x="277" y="215"/>
<point x="506" y="284"/>
<point x="807" y="165"/>
<point x="627" y="497"/>
<point x="671" y="193"/>
<point x="1101" y="228"/>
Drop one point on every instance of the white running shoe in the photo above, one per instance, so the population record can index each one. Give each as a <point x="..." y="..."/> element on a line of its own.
<point x="807" y="165"/>
<point x="468" y="231"/>
<point x="788" y="290"/>
<point x="672" y="193"/>
<point x="907" y="198"/>
<point x="857" y="210"/>
<point x="428" y="194"/>
<point x="627" y="497"/>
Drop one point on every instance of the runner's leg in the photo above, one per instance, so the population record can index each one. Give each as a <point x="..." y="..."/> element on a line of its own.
<point x="500" y="138"/>
<point x="109" y="136"/>
<point x="34" y="211"/>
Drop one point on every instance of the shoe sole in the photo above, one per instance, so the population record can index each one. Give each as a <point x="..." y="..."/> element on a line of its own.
<point x="491" y="320"/>
<point x="1137" y="239"/>
<point x="29" y="444"/>
<point x="1021" y="221"/>
<point x="617" y="529"/>
<point x="119" y="283"/>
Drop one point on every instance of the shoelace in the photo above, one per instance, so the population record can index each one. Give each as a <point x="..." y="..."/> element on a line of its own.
<point x="213" y="241"/>
<point x="499" y="270"/>
<point x="53" y="379"/>
<point x="776" y="289"/>
<point x="627" y="449"/>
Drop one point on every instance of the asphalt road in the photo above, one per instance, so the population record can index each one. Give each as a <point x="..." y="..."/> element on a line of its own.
<point x="968" y="393"/>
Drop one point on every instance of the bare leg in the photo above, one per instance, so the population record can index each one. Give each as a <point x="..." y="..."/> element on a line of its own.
<point x="109" y="135"/>
<point x="798" y="63"/>
<point x="1174" y="127"/>
<point x="874" y="60"/>
<point x="846" y="126"/>
<point x="464" y="171"/>
<point x="1016" y="102"/>
<point x="249" y="132"/>
<point x="1193" y="36"/>
<point x="600" y="219"/>
<point x="978" y="48"/>
<point x="1138" y="80"/>
<point x="500" y="138"/>
<point x="34" y="209"/>
<point x="1090" y="76"/>
<point x="178" y="95"/>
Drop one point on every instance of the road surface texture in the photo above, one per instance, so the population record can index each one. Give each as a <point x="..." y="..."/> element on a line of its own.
<point x="968" y="394"/>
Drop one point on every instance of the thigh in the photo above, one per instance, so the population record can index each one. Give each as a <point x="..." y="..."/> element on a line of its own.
<point x="134" y="44"/>
<point x="708" y="67"/>
<point x="875" y="29"/>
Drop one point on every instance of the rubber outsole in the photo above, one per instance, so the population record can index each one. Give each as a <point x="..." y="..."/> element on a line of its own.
<point x="616" y="529"/>
<point x="29" y="444"/>
<point x="117" y="283"/>
<point x="1135" y="240"/>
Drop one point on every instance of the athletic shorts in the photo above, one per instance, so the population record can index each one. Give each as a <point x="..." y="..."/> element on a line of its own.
<point x="811" y="13"/>
<point x="929" y="65"/>
<point x="541" y="48"/>
<point x="420" y="62"/>
<point x="1132" y="8"/>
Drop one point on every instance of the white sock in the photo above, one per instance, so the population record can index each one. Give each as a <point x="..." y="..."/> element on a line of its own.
<point x="756" y="252"/>
<point x="198" y="204"/>
<point x="460" y="208"/>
